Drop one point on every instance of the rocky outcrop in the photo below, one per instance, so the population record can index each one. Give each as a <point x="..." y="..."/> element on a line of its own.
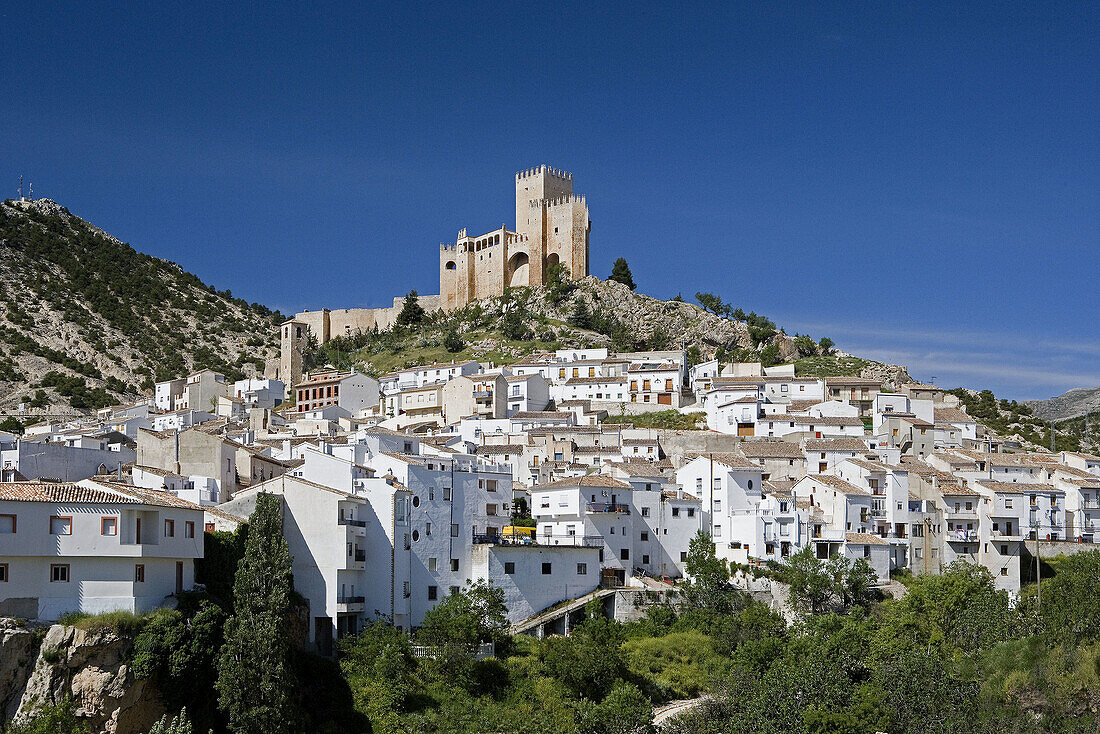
<point x="1076" y="402"/>
<point x="92" y="667"/>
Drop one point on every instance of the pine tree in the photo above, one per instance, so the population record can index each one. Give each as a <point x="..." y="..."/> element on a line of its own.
<point x="255" y="680"/>
<point x="580" y="317"/>
<point x="620" y="272"/>
<point x="412" y="313"/>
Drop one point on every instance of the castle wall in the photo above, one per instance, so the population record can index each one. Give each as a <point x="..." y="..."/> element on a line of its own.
<point x="328" y="324"/>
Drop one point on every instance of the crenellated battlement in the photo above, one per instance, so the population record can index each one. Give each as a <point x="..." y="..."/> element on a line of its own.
<point x="544" y="169"/>
<point x="557" y="201"/>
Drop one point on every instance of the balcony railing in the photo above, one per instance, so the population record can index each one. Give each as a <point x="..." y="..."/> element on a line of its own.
<point x="360" y="556"/>
<point x="962" y="535"/>
<point x="579" y="541"/>
<point x="351" y="600"/>
<point x="608" y="507"/>
<point x="353" y="523"/>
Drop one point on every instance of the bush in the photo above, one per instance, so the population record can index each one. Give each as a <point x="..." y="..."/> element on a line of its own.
<point x="51" y="719"/>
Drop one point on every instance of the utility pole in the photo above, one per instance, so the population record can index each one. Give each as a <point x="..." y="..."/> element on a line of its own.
<point x="1038" y="572"/>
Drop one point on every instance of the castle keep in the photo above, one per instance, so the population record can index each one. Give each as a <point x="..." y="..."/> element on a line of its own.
<point x="552" y="227"/>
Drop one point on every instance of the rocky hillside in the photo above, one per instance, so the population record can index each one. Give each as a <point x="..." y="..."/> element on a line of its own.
<point x="1071" y="404"/>
<point x="87" y="321"/>
<point x="587" y="313"/>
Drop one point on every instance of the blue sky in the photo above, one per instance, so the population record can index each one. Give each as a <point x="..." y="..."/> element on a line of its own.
<point x="918" y="181"/>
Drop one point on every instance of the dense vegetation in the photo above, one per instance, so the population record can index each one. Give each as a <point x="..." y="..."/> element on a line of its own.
<point x="1011" y="418"/>
<point x="951" y="655"/>
<point x="117" y="300"/>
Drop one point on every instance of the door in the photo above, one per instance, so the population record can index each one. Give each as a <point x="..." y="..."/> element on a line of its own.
<point x="746" y="429"/>
<point x="179" y="577"/>
<point x="665" y="398"/>
<point x="137" y="530"/>
<point x="822" y="467"/>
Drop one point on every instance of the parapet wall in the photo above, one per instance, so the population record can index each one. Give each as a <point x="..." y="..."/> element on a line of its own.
<point x="327" y="324"/>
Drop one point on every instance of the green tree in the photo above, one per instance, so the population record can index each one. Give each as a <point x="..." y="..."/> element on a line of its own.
<point x="709" y="302"/>
<point x="708" y="593"/>
<point x="770" y="355"/>
<point x="826" y="345"/>
<point x="58" y="718"/>
<point x="175" y="650"/>
<point x="810" y="582"/>
<point x="1071" y="606"/>
<point x="580" y="317"/>
<point x="513" y="326"/>
<point x="11" y="424"/>
<point x="625" y="710"/>
<point x="452" y="342"/>
<point x="256" y="686"/>
<point x="380" y="670"/>
<point x="558" y="283"/>
<point x="590" y="660"/>
<point x="620" y="272"/>
<point x="412" y="313"/>
<point x="805" y="346"/>
<point x="476" y="613"/>
<point x="179" y="724"/>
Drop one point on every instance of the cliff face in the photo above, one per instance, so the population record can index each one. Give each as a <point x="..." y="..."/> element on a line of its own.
<point x="90" y="667"/>
<point x="1071" y="404"/>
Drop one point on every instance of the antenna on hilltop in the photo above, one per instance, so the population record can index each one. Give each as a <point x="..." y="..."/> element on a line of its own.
<point x="30" y="192"/>
<point x="21" y="186"/>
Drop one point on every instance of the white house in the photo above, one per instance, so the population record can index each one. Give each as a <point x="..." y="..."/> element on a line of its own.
<point x="93" y="547"/>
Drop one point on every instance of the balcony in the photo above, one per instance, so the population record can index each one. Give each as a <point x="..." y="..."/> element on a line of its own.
<point x="604" y="507"/>
<point x="577" y="541"/>
<point x="962" y="536"/>
<point x="350" y="604"/>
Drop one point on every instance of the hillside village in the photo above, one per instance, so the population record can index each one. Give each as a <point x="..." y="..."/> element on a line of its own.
<point x="567" y="475"/>
<point x="551" y="476"/>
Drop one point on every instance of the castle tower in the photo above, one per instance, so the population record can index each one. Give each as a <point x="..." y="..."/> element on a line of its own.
<point x="536" y="184"/>
<point x="294" y="339"/>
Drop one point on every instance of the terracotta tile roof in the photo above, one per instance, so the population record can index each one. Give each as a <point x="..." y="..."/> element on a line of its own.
<point x="639" y="441"/>
<point x="770" y="450"/>
<point x="590" y="480"/>
<point x="838" y="484"/>
<point x="844" y="443"/>
<point x="50" y="492"/>
<point x="500" y="449"/>
<point x="813" y="420"/>
<point x="729" y="460"/>
<point x="952" y="415"/>
<point x="595" y="380"/>
<point x="547" y="414"/>
<point x="864" y="539"/>
<point x="1017" y="487"/>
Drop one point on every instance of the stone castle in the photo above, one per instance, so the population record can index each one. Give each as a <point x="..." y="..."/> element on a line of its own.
<point x="552" y="227"/>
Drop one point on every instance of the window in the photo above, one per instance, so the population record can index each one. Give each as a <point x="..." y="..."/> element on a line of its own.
<point x="61" y="525"/>
<point x="675" y="511"/>
<point x="645" y="560"/>
<point x="416" y="536"/>
<point x="108" y="526"/>
<point x="169" y="528"/>
<point x="454" y="590"/>
<point x="139" y="573"/>
<point x="454" y="530"/>
<point x="624" y="554"/>
<point x="509" y="567"/>
<point x="691" y="512"/>
<point x="7" y="524"/>
<point x="433" y="593"/>
<point x="683" y="556"/>
<point x="1004" y="571"/>
<point x="427" y="528"/>
<point x="431" y="564"/>
<point x="3" y="572"/>
<point x="454" y="564"/>
<point x="59" y="572"/>
<point x="866" y="551"/>
<point x="582" y="569"/>
<point x="406" y="589"/>
<point x="1008" y="504"/>
<point x="189" y="529"/>
<point x="447" y="494"/>
<point x="645" y="536"/>
<point x="546" y="569"/>
<point x="645" y="512"/>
